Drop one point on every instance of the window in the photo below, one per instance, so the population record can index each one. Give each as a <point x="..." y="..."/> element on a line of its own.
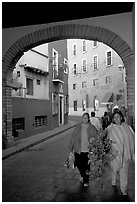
<point x="18" y="73"/>
<point x="122" y="77"/>
<point x="38" y="82"/>
<point x="95" y="62"/>
<point x="75" y="105"/>
<point x="95" y="82"/>
<point x="95" y="44"/>
<point x="96" y="104"/>
<point x="108" y="80"/>
<point x="54" y="103"/>
<point x="66" y="104"/>
<point x="29" y="86"/>
<point x="74" y="86"/>
<point x="118" y="97"/>
<point x="74" y="68"/>
<point x="61" y="88"/>
<point x="18" y="124"/>
<point x="74" y="50"/>
<point x="84" y="46"/>
<point x="83" y="105"/>
<point x="84" y="84"/>
<point x="40" y="121"/>
<point x="65" y="66"/>
<point x="55" y="63"/>
<point x="84" y="65"/>
<point x="108" y="58"/>
<point x="87" y="100"/>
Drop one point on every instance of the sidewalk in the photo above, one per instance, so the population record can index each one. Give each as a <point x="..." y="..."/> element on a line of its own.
<point x="34" y="140"/>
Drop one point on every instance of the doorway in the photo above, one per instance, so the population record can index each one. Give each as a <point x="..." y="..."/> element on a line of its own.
<point x="61" y="110"/>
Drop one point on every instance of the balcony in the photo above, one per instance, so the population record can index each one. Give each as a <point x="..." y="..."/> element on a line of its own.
<point x="58" y="76"/>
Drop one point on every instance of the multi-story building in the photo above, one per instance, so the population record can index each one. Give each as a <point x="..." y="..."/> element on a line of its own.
<point x="59" y="81"/>
<point x="95" y="81"/>
<point x="39" y="95"/>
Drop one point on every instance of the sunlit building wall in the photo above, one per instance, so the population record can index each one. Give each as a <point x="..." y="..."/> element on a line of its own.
<point x="95" y="81"/>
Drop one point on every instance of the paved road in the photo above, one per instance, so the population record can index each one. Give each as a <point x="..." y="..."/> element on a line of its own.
<point x="38" y="175"/>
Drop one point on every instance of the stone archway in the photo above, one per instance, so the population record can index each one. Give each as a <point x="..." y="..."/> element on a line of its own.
<point x="54" y="33"/>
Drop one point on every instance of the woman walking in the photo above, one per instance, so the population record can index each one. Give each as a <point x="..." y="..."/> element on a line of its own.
<point x="79" y="143"/>
<point x="123" y="144"/>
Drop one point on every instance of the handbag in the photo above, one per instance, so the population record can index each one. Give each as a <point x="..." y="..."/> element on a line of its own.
<point x="69" y="162"/>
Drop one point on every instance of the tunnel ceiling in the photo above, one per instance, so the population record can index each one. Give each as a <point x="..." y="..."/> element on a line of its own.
<point x="15" y="14"/>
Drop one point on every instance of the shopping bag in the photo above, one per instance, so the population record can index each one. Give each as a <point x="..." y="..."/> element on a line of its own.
<point x="69" y="162"/>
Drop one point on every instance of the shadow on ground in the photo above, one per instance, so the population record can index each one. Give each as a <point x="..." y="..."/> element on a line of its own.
<point x="99" y="190"/>
<point x="78" y="193"/>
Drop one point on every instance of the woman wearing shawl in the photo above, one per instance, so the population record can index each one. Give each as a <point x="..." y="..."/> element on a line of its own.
<point x="123" y="144"/>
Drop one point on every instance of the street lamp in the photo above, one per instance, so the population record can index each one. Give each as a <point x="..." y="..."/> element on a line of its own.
<point x="120" y="67"/>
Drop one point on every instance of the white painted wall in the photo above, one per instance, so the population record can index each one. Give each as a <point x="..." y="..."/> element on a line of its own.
<point x="35" y="60"/>
<point x="42" y="49"/>
<point x="79" y="93"/>
<point x="79" y="111"/>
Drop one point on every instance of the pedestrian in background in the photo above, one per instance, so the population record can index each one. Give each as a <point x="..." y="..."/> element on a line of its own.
<point x="105" y="120"/>
<point x="123" y="144"/>
<point x="95" y="121"/>
<point x="124" y="112"/>
<point x="79" y="144"/>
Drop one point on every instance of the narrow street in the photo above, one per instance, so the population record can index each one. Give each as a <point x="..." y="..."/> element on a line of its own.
<point x="38" y="175"/>
<point x="56" y="66"/>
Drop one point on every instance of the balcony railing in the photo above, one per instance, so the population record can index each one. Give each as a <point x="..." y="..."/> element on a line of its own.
<point x="58" y="76"/>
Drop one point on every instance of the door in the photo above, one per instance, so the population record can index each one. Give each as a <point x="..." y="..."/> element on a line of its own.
<point x="61" y="110"/>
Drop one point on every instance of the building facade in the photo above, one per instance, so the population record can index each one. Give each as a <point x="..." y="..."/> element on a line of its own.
<point x="33" y="91"/>
<point x="59" y="81"/>
<point x="96" y="82"/>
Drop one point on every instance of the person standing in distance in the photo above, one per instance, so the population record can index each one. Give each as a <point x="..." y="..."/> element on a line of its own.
<point x="95" y="121"/>
<point x="105" y="120"/>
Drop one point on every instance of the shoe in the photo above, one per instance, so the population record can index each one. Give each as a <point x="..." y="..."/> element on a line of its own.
<point x="86" y="184"/>
<point x="81" y="180"/>
<point x="124" y="193"/>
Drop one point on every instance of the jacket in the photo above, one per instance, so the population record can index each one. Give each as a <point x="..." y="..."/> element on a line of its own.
<point x="75" y="141"/>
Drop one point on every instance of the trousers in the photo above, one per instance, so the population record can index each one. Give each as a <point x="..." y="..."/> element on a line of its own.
<point x="81" y="161"/>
